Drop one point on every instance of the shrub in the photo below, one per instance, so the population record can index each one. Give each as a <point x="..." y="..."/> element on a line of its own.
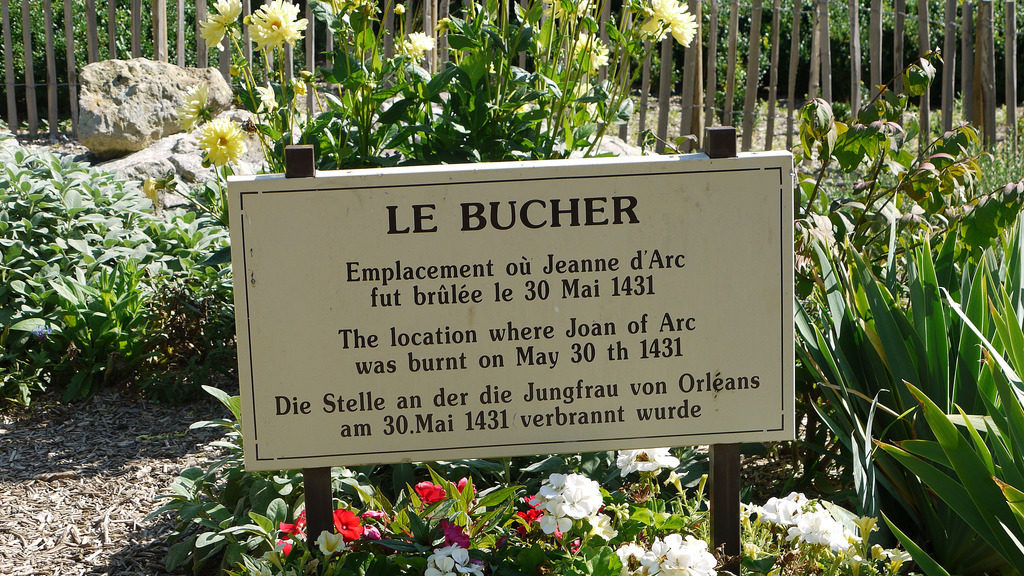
<point x="85" y="270"/>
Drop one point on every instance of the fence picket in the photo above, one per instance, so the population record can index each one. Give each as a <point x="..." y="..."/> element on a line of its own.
<point x="51" y="71"/>
<point x="855" y="58"/>
<point x="179" y="33"/>
<point x="69" y="54"/>
<point x="202" y="58"/>
<point x="711" y="82"/>
<point x="730" y="71"/>
<point x="826" y="53"/>
<point x="924" y="108"/>
<point x="814" y="79"/>
<point x="948" y="63"/>
<point x="645" y="91"/>
<point x="773" y="75"/>
<point x="753" y="71"/>
<point x="136" y="9"/>
<point x="794" y="61"/>
<point x="690" y="120"/>
<point x="875" y="42"/>
<point x="986" y="66"/>
<point x="160" y="29"/>
<point x="12" y="103"/>
<point x="899" y="33"/>
<point x="1011" y="74"/>
<point x="93" y="43"/>
<point x="967" y="51"/>
<point x="664" y="91"/>
<point x="112" y="28"/>
<point x="30" y="79"/>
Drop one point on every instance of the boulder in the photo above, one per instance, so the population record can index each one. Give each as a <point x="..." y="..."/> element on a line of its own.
<point x="127" y="105"/>
<point x="179" y="154"/>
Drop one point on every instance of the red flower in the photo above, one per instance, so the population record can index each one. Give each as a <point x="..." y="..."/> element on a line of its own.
<point x="285" y="546"/>
<point x="529" y="516"/>
<point x="347" y="524"/>
<point x="298" y="529"/>
<point x="430" y="492"/>
<point x="454" y="534"/>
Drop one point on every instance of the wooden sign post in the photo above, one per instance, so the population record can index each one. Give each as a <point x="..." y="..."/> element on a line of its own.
<point x="492" y="310"/>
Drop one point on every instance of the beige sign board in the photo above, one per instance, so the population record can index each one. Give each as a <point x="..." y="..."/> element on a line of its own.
<point x="430" y="313"/>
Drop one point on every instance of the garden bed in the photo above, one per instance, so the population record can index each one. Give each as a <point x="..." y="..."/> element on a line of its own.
<point x="78" y="481"/>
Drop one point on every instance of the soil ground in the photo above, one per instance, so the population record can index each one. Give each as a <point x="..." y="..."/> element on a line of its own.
<point x="77" y="482"/>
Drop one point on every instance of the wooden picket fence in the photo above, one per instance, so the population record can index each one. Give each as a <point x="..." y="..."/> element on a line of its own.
<point x="970" y="23"/>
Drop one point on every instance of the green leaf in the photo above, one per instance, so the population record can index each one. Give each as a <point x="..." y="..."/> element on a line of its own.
<point x="29" y="325"/>
<point x="265" y="524"/>
<point x="179" y="553"/>
<point x="923" y="560"/>
<point x="277" y="511"/>
<point x="208" y="539"/>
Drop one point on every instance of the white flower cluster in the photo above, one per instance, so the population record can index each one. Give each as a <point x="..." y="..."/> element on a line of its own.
<point x="671" y="556"/>
<point x="565" y="498"/>
<point x="806" y="521"/>
<point x="650" y="460"/>
<point x="452" y="561"/>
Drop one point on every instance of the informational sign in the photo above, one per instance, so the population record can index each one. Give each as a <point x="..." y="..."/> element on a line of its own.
<point x="447" y="312"/>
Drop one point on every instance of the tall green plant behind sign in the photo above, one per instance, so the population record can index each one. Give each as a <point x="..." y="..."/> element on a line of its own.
<point x="509" y="309"/>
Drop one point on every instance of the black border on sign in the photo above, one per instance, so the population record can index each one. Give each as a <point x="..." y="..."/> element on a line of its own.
<point x="553" y="444"/>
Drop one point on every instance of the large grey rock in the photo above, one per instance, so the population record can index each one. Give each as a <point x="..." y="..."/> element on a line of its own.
<point x="127" y="105"/>
<point x="179" y="155"/>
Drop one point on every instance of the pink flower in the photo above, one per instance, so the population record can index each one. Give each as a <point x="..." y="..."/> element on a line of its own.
<point x="347" y="524"/>
<point x="454" y="535"/>
<point x="430" y="492"/>
<point x="371" y="533"/>
<point x="462" y="484"/>
<point x="375" y="515"/>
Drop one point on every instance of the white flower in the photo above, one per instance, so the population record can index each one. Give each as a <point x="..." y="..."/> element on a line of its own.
<point x="651" y="460"/>
<point x="630" y="555"/>
<point x="267" y="98"/>
<point x="601" y="525"/>
<point x="819" y="528"/>
<point x="674" y="556"/>
<point x="566" y="498"/>
<point x="451" y="561"/>
<point x="331" y="543"/>
<point x="417" y="44"/>
<point x="783" y="511"/>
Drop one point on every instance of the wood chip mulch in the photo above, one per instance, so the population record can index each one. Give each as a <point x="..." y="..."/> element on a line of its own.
<point x="77" y="482"/>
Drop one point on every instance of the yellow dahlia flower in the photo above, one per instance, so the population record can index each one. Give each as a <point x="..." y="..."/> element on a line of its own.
<point x="267" y="98"/>
<point x="670" y="16"/>
<point x="276" y="24"/>
<point x="417" y="44"/>
<point x="195" y="109"/>
<point x="591" y="51"/>
<point x="577" y="9"/>
<point x="222" y="141"/>
<point x="224" y="17"/>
